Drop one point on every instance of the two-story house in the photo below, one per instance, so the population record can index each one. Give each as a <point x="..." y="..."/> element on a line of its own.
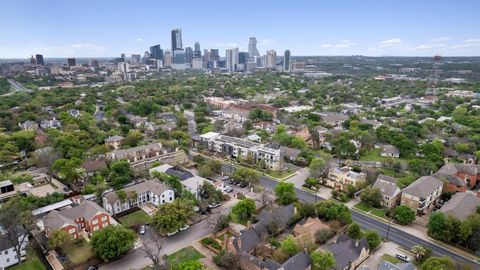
<point x="114" y="142"/>
<point x="8" y="244"/>
<point x="80" y="220"/>
<point x="136" y="154"/>
<point x="148" y="191"/>
<point x="339" y="178"/>
<point x="391" y="193"/>
<point x="422" y="193"/>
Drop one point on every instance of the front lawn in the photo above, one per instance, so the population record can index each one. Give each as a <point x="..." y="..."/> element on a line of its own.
<point x="80" y="252"/>
<point x="390" y="258"/>
<point x="185" y="254"/>
<point x="372" y="155"/>
<point x="379" y="212"/>
<point x="134" y="219"/>
<point x="32" y="262"/>
<point x="280" y="174"/>
<point x="363" y="207"/>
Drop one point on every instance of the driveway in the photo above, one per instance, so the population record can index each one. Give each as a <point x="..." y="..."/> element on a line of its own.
<point x="299" y="178"/>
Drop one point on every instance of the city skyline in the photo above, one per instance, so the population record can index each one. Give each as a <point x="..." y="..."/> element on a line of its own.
<point x="396" y="28"/>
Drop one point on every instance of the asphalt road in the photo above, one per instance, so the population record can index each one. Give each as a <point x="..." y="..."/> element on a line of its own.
<point x="395" y="235"/>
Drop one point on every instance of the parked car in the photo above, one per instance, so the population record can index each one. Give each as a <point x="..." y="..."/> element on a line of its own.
<point x="402" y="257"/>
<point x="92" y="267"/>
<point x="186" y="226"/>
<point x="225" y="177"/>
<point x="172" y="233"/>
<point x="242" y="184"/>
<point x="142" y="230"/>
<point x="213" y="205"/>
<point x="228" y="189"/>
<point x="231" y="181"/>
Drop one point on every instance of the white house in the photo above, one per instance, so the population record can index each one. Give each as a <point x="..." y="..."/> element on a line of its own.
<point x="148" y="191"/>
<point x="189" y="180"/>
<point x="8" y="255"/>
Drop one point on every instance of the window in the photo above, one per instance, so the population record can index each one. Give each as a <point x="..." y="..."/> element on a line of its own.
<point x="8" y="260"/>
<point x="104" y="218"/>
<point x="95" y="228"/>
<point x="6" y="252"/>
<point x="94" y="221"/>
<point x="72" y="230"/>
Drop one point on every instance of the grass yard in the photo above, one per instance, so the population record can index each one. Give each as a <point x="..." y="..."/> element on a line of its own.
<point x="134" y="219"/>
<point x="234" y="219"/>
<point x="372" y="155"/>
<point x="390" y="258"/>
<point x="363" y="207"/>
<point x="279" y="174"/>
<point x="222" y="237"/>
<point x="379" y="212"/>
<point x="80" y="252"/>
<point x="32" y="262"/>
<point x="185" y="254"/>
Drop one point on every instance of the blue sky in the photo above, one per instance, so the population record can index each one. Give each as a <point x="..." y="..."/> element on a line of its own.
<point x="94" y="28"/>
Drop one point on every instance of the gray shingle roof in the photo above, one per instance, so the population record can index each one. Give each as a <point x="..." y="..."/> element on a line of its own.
<point x="423" y="186"/>
<point x="461" y="205"/>
<point x="387" y="185"/>
<point x="346" y="250"/>
<point x="57" y="219"/>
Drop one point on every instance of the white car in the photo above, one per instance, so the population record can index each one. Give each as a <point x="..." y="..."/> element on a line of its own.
<point x="227" y="189"/>
<point x="213" y="205"/>
<point x="403" y="257"/>
<point x="172" y="233"/>
<point x="184" y="227"/>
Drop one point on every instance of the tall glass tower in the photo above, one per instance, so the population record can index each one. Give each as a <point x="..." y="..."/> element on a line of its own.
<point x="252" y="47"/>
<point x="177" y="39"/>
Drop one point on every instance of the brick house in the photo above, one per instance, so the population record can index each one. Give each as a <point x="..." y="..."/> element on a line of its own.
<point x="82" y="219"/>
<point x="460" y="177"/>
<point x="136" y="154"/>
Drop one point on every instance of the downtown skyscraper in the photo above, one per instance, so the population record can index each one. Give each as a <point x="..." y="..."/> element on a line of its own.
<point x="252" y="47"/>
<point x="178" y="61"/>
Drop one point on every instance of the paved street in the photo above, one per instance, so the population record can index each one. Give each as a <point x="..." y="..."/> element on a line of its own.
<point x="395" y="234"/>
<point x="136" y="258"/>
<point x="299" y="178"/>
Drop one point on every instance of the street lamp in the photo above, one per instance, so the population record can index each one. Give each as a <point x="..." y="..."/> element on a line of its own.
<point x="388" y="228"/>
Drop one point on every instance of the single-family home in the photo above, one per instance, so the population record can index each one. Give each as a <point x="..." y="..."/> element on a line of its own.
<point x="339" y="178"/>
<point x="389" y="151"/>
<point x="136" y="154"/>
<point x="349" y="253"/>
<point x="29" y="125"/>
<point x="9" y="240"/>
<point x="114" y="142"/>
<point x="391" y="193"/>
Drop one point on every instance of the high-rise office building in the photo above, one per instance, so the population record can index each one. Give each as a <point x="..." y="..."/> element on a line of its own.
<point x="271" y="59"/>
<point x="135" y="59"/>
<point x="242" y="61"/>
<point x="232" y="59"/>
<point x="197" y="52"/>
<point x="93" y="63"/>
<point x="39" y="59"/>
<point x="286" y="60"/>
<point x="177" y="39"/>
<point x="252" y="47"/>
<point x="214" y="55"/>
<point x="156" y="52"/>
<point x="206" y="56"/>
<point x="123" y="57"/>
<point x="124" y="67"/>
<point x="188" y="55"/>
<point x="71" y="62"/>
<point x="167" y="58"/>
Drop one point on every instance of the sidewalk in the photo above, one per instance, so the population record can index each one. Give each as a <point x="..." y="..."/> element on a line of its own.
<point x="207" y="261"/>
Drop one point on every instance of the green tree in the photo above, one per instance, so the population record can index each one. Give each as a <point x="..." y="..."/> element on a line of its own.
<point x="330" y="210"/>
<point x="289" y="246"/>
<point x="372" y="197"/>
<point x="421" y="253"/>
<point x="209" y="193"/>
<point x="317" y="168"/>
<point x="354" y="231"/>
<point x="133" y="138"/>
<point x="120" y="173"/>
<point x="204" y="170"/>
<point x="59" y="239"/>
<point x="245" y="175"/>
<point x="171" y="216"/>
<point x="69" y="170"/>
<point x="189" y="265"/>
<point x="112" y="242"/>
<point x="244" y="209"/>
<point x="438" y="263"/>
<point x="403" y="214"/>
<point x="322" y="260"/>
<point x="373" y="239"/>
<point x="285" y="193"/>
<point x="24" y="139"/>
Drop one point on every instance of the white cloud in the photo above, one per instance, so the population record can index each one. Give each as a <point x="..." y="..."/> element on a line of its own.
<point x="429" y="46"/>
<point x="441" y="39"/>
<point x="265" y="42"/>
<point x="468" y="43"/>
<point x="139" y="40"/>
<point x="391" y="43"/>
<point x="344" y="44"/>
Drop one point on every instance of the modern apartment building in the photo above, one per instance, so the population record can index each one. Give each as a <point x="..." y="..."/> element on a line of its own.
<point x="422" y="193"/>
<point x="270" y="154"/>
